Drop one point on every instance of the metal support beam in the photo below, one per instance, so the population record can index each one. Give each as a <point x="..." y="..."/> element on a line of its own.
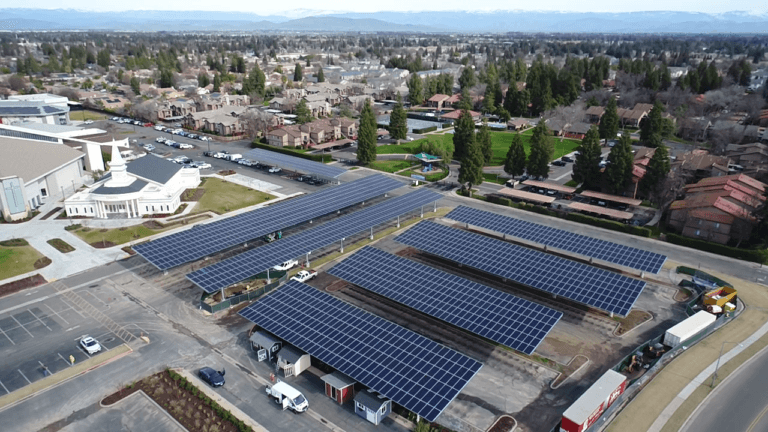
<point x="398" y="221"/>
<point x="268" y="279"/>
<point x="222" y="294"/>
<point x="308" y="259"/>
<point x="422" y="212"/>
<point x="341" y="242"/>
<point x="371" y="233"/>
<point x="435" y="208"/>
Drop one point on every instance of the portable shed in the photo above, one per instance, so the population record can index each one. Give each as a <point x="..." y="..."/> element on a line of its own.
<point x="339" y="387"/>
<point x="372" y="407"/>
<point x="292" y="361"/>
<point x="265" y="344"/>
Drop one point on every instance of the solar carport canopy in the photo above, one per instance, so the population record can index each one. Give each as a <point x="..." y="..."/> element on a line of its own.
<point x="557" y="238"/>
<point x="578" y="282"/>
<point x="415" y="372"/>
<point x="207" y="239"/>
<point x="293" y="163"/>
<point x="503" y="318"/>
<point x="255" y="261"/>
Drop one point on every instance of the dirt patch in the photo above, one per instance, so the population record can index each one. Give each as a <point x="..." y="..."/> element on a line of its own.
<point x="184" y="402"/>
<point x="574" y="365"/>
<point x="42" y="262"/>
<point x="192" y="194"/>
<point x="683" y="294"/>
<point x="505" y="423"/>
<point x="102" y="244"/>
<point x="225" y="173"/>
<point x="153" y="225"/>
<point x="61" y="245"/>
<point x="634" y="319"/>
<point x="22" y="284"/>
<point x="51" y="213"/>
<point x="14" y="242"/>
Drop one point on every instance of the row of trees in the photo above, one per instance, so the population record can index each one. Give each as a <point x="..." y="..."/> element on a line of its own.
<point x="420" y="89"/>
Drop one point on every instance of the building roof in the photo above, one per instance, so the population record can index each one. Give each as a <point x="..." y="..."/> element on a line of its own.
<point x="136" y="186"/>
<point x="552" y="186"/>
<point x="595" y="110"/>
<point x="578" y="128"/>
<point x="31" y="160"/>
<point x="291" y="354"/>
<point x="616" y="214"/>
<point x="518" y="122"/>
<point x="713" y="215"/>
<point x="745" y="179"/>
<point x="338" y="380"/>
<point x="439" y="98"/>
<point x="370" y="400"/>
<point x="528" y="196"/>
<point x="454" y="115"/>
<point x="30" y="108"/>
<point x="263" y="339"/>
<point x="612" y="198"/>
<point x="155" y="169"/>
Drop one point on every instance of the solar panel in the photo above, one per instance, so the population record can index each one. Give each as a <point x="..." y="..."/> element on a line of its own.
<point x="492" y="314"/>
<point x="415" y="372"/>
<point x="255" y="261"/>
<point x="588" y="246"/>
<point x="294" y="163"/>
<point x="207" y="239"/>
<point x="581" y="283"/>
<point x="10" y="110"/>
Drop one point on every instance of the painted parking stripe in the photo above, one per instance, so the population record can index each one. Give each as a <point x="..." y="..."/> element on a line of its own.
<point x="41" y="321"/>
<point x="64" y="360"/>
<point x="25" y="377"/>
<point x="57" y="314"/>
<point x="4" y="387"/>
<point x="73" y="308"/>
<point x="20" y="325"/>
<point x="1" y="331"/>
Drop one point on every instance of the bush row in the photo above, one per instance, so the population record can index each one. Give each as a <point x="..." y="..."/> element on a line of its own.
<point x="425" y="130"/>
<point x="758" y="256"/>
<point x="313" y="157"/>
<point x="692" y="272"/>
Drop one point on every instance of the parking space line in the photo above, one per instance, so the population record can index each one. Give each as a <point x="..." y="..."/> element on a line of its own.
<point x="4" y="387"/>
<point x="22" y="326"/>
<point x="106" y="306"/>
<point x="41" y="321"/>
<point x="1" y="331"/>
<point x="25" y="377"/>
<point x="57" y="314"/>
<point x="73" y="308"/>
<point x="64" y="360"/>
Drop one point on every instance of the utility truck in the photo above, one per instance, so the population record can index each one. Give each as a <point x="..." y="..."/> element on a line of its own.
<point x="289" y="397"/>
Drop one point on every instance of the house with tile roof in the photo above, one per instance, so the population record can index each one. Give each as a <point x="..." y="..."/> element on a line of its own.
<point x="719" y="209"/>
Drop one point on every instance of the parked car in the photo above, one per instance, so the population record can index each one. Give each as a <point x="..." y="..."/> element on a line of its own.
<point x="288" y="397"/>
<point x="566" y="159"/>
<point x="246" y="162"/>
<point x="160" y="140"/>
<point x="204" y="138"/>
<point x="275" y="169"/>
<point x="170" y="142"/>
<point x="286" y="265"/>
<point x="115" y="118"/>
<point x="559" y="163"/>
<point x="177" y="125"/>
<point x="201" y="165"/>
<point x="213" y="377"/>
<point x="186" y="146"/>
<point x="149" y="147"/>
<point x="233" y="157"/>
<point x="182" y="159"/>
<point x="208" y="153"/>
<point x="148" y="124"/>
<point x="304" y="275"/>
<point x="191" y="136"/>
<point x="88" y="122"/>
<point x="159" y="128"/>
<point x="90" y="345"/>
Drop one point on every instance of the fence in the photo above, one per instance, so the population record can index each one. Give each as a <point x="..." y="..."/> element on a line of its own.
<point x="235" y="300"/>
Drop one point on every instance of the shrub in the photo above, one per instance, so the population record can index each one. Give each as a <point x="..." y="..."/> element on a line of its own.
<point x="753" y="255"/>
<point x="73" y="227"/>
<point x="425" y="130"/>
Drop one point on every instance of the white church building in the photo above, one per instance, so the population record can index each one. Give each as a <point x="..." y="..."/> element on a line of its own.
<point x="146" y="186"/>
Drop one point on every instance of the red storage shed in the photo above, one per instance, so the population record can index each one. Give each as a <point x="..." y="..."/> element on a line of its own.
<point x="339" y="387"/>
<point x="591" y="405"/>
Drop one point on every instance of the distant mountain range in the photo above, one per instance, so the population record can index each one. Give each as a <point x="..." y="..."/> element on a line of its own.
<point x="400" y="22"/>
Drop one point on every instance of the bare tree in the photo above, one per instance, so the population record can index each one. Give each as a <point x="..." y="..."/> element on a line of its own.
<point x="146" y="110"/>
<point x="70" y="93"/>
<point x="568" y="115"/>
<point x="256" y="122"/>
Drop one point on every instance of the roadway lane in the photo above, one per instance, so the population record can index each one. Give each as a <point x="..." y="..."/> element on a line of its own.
<point x="740" y="403"/>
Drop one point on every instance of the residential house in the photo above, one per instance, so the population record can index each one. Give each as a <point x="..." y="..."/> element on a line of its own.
<point x="358" y="101"/>
<point x="631" y="117"/>
<point x="454" y="115"/>
<point x="517" y="124"/>
<point x="700" y="164"/>
<point x="437" y="101"/>
<point x="322" y="130"/>
<point x="224" y="121"/>
<point x="347" y="126"/>
<point x="594" y="114"/>
<point x="556" y="126"/>
<point x="752" y="157"/>
<point x="694" y="129"/>
<point x="719" y="209"/>
<point x="319" y="108"/>
<point x="577" y="130"/>
<point x="289" y="136"/>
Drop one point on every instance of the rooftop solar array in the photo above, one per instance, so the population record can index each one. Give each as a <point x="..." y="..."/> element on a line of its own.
<point x="255" y="261"/>
<point x="581" y="283"/>
<point x="207" y="239"/>
<point x="492" y="314"/>
<point x="588" y="246"/>
<point x="294" y="163"/>
<point x="415" y="372"/>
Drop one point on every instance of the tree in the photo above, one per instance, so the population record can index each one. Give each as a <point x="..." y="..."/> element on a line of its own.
<point x="484" y="142"/>
<point x="514" y="163"/>
<point x="303" y="115"/>
<point x="203" y="80"/>
<point x="618" y="173"/>
<point x="103" y="58"/>
<point x="87" y="84"/>
<point x="135" y="85"/>
<point x="415" y="90"/>
<point x="609" y="123"/>
<point x="655" y="174"/>
<point x="366" y="135"/>
<point x="471" y="169"/>
<point x="542" y="151"/>
<point x="438" y="147"/>
<point x="166" y="79"/>
<point x="586" y="169"/>
<point x="467" y="78"/>
<point x="651" y="129"/>
<point x="320" y="75"/>
<point x="398" y="120"/>
<point x="216" y="83"/>
<point x="298" y="72"/>
<point x="464" y="134"/>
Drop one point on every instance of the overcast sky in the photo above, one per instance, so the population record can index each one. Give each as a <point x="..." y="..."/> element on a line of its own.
<point x="289" y="8"/>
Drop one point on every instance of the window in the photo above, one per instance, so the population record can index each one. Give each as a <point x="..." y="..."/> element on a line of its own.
<point x="698" y="232"/>
<point x="717" y="225"/>
<point x="383" y="409"/>
<point x="76" y="210"/>
<point x="147" y="208"/>
<point x="43" y="192"/>
<point x="700" y="221"/>
<point x="360" y="406"/>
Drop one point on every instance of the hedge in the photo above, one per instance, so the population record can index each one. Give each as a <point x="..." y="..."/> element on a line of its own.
<point x="313" y="157"/>
<point x="611" y="225"/>
<point x="758" y="256"/>
<point x="693" y="272"/>
<point x="425" y="130"/>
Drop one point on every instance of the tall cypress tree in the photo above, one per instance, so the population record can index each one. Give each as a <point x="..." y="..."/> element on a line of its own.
<point x="618" y="173"/>
<point x="298" y="72"/>
<point x="657" y="171"/>
<point x="609" y="123"/>
<point x="366" y="135"/>
<point x="542" y="151"/>
<point x="320" y="75"/>
<point x="471" y="169"/>
<point x="586" y="169"/>
<point x="514" y="163"/>
<point x="398" y="120"/>
<point x="415" y="90"/>
<point x="652" y="126"/>
<point x="464" y="134"/>
<point x="484" y="142"/>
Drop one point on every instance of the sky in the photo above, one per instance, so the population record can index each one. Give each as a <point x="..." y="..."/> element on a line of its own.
<point x="303" y="7"/>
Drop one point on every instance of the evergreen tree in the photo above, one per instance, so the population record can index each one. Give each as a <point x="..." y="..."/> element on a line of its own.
<point x="298" y="73"/>
<point x="484" y="142"/>
<point x="609" y="123"/>
<point x="489" y="99"/>
<point x="135" y="86"/>
<point x="320" y="75"/>
<point x="465" y="102"/>
<point x="542" y="151"/>
<point x="658" y="168"/>
<point x="398" y="120"/>
<point x="303" y="115"/>
<point x="415" y="90"/>
<point x="514" y="163"/>
<point x="216" y="83"/>
<point x="103" y="58"/>
<point x="464" y="135"/>
<point x="203" y="80"/>
<point x="618" y="173"/>
<point x="651" y="129"/>
<point x="467" y="78"/>
<point x="366" y="135"/>
<point x="471" y="169"/>
<point x="586" y="169"/>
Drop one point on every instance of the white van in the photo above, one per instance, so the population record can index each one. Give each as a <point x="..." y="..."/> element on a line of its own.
<point x="234" y="157"/>
<point x="288" y="397"/>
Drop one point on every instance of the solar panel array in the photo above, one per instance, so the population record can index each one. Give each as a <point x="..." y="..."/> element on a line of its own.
<point x="581" y="283"/>
<point x="415" y="372"/>
<point x="492" y="314"/>
<point x="255" y="261"/>
<point x="561" y="239"/>
<point x="207" y="239"/>
<point x="294" y="163"/>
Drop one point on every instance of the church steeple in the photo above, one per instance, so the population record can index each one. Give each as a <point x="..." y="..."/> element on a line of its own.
<point x="118" y="169"/>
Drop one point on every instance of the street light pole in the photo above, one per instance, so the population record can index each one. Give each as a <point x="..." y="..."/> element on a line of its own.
<point x="717" y="365"/>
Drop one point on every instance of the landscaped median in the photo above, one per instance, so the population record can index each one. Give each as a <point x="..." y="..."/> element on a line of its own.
<point x="18" y="257"/>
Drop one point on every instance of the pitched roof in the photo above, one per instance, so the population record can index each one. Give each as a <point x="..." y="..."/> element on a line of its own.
<point x="369" y="400"/>
<point x="154" y="169"/>
<point x="454" y="115"/>
<point x="438" y="98"/>
<point x="714" y="215"/>
<point x="595" y="110"/>
<point x="31" y="160"/>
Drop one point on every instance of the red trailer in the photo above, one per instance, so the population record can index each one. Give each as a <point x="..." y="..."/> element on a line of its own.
<point x="590" y="406"/>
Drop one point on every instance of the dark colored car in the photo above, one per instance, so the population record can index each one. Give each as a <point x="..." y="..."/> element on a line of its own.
<point x="559" y="163"/>
<point x="208" y="153"/>
<point x="211" y="376"/>
<point x="566" y="159"/>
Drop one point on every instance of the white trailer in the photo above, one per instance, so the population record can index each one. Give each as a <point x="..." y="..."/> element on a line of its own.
<point x="688" y="328"/>
<point x="288" y="397"/>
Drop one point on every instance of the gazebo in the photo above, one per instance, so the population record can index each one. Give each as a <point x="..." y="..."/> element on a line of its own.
<point x="427" y="160"/>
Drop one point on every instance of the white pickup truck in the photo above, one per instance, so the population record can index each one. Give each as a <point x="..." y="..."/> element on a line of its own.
<point x="304" y="275"/>
<point x="288" y="396"/>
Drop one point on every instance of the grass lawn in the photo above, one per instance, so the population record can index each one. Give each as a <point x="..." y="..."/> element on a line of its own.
<point x="16" y="260"/>
<point x="115" y="236"/>
<point x="493" y="178"/>
<point x="86" y="115"/>
<point x="412" y="147"/>
<point x="222" y="197"/>
<point x="390" y="166"/>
